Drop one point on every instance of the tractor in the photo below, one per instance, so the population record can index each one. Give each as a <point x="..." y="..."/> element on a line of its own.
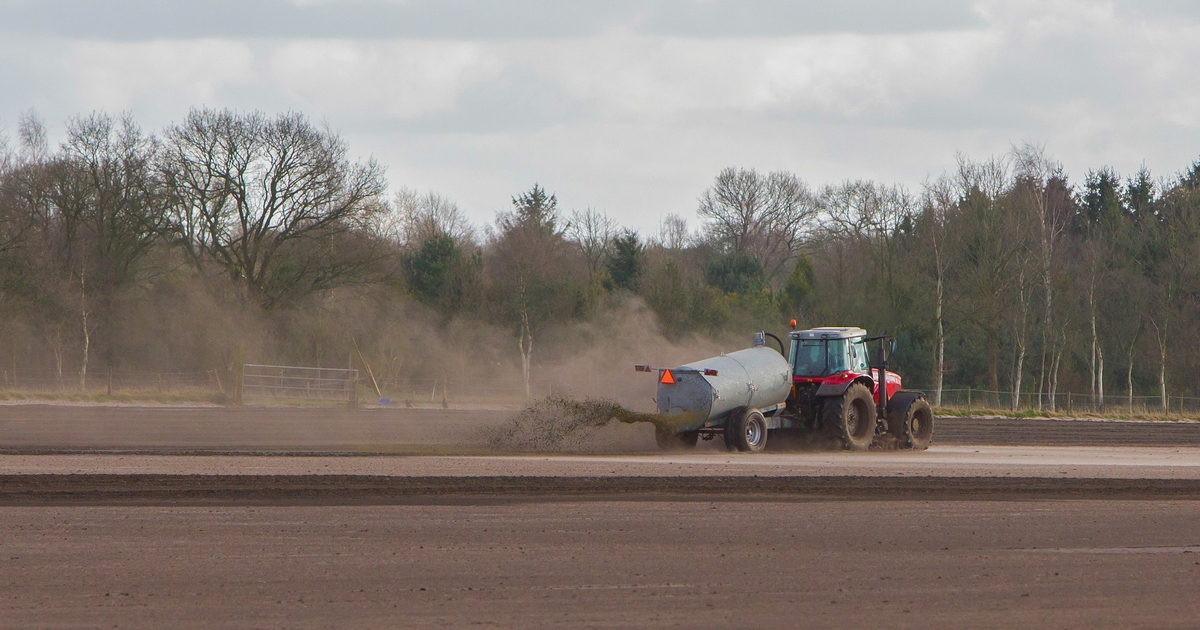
<point x="822" y="385"/>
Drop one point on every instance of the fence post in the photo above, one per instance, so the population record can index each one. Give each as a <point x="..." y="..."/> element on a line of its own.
<point x="110" y="380"/>
<point x="968" y="400"/>
<point x="352" y="383"/>
<point x="1070" y="409"/>
<point x="239" y="370"/>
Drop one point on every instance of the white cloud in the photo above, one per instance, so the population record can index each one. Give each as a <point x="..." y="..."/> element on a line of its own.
<point x="638" y="123"/>
<point x="844" y="75"/>
<point x="401" y="79"/>
<point x="159" y="74"/>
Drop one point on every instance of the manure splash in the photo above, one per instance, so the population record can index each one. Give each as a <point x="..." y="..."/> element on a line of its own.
<point x="559" y="423"/>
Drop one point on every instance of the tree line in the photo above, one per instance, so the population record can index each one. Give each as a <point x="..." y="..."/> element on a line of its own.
<point x="124" y="249"/>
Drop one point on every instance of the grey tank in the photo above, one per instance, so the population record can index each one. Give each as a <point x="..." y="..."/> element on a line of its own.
<point x="756" y="377"/>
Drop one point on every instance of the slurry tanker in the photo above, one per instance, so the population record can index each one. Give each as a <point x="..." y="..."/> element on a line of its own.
<point x="821" y="384"/>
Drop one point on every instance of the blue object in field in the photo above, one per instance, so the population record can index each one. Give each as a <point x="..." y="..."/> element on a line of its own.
<point x="385" y="401"/>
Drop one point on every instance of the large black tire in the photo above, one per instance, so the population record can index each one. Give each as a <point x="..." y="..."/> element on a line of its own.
<point x="913" y="425"/>
<point x="747" y="431"/>
<point x="730" y="442"/>
<point x="850" y="418"/>
<point x="670" y="441"/>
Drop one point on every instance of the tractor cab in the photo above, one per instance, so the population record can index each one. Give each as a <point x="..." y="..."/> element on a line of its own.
<point x="835" y="356"/>
<point x="824" y="351"/>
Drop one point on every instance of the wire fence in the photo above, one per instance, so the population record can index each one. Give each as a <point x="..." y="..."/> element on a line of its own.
<point x="292" y="383"/>
<point x="492" y="388"/>
<point x="283" y="384"/>
<point x="1067" y="402"/>
<point x="113" y="381"/>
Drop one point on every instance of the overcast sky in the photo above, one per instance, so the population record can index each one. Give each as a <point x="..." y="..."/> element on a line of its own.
<point x="633" y="107"/>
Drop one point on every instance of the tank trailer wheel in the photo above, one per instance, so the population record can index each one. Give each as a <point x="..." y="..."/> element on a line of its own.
<point x="851" y="418"/>
<point x="669" y="441"/>
<point x="920" y="422"/>
<point x="747" y="431"/>
<point x="727" y="434"/>
<point x="913" y="426"/>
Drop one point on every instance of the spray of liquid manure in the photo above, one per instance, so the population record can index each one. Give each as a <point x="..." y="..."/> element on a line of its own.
<point x="559" y="424"/>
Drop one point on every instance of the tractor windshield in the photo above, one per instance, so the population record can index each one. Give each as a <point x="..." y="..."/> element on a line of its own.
<point x="819" y="357"/>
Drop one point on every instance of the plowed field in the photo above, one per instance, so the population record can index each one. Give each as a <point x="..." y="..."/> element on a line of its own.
<point x="55" y="428"/>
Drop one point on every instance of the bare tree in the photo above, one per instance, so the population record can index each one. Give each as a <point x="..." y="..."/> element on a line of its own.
<point x="416" y="218"/>
<point x="25" y="193"/>
<point x="7" y="157"/>
<point x="266" y="199"/>
<point x="1092" y="257"/>
<point x="766" y="217"/>
<point x="673" y="234"/>
<point x="105" y="213"/>
<point x="1042" y="193"/>
<point x="534" y="276"/>
<point x="1161" y="338"/>
<point x="868" y="215"/>
<point x="1024" y="294"/>
<point x="593" y="231"/>
<point x="939" y="201"/>
<point x="33" y="138"/>
<point x="117" y="199"/>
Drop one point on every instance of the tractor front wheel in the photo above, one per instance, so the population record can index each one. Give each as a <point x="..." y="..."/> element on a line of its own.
<point x="850" y="418"/>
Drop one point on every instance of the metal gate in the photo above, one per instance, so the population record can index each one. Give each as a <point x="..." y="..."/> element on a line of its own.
<point x="292" y="383"/>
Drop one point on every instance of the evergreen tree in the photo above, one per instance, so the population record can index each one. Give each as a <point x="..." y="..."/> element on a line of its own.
<point x="736" y="272"/>
<point x="625" y="264"/>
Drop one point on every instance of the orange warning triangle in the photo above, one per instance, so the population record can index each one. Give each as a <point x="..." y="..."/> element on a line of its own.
<point x="667" y="378"/>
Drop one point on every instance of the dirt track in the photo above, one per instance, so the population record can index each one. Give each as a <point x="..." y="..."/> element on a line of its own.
<point x="1079" y="432"/>
<point x="1094" y="462"/>
<point x="52" y="428"/>
<point x="297" y="490"/>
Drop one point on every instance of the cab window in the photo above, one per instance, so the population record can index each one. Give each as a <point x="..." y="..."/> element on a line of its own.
<point x="821" y="357"/>
<point x="839" y="356"/>
<point x="858" y="356"/>
<point x="808" y="357"/>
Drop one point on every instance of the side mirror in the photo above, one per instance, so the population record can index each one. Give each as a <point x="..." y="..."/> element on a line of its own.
<point x="892" y="346"/>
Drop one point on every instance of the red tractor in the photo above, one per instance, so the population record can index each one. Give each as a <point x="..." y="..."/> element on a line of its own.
<point x="822" y="384"/>
<point x="836" y="391"/>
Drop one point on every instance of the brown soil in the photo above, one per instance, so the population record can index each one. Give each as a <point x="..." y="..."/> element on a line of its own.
<point x="165" y="489"/>
<point x="816" y="564"/>
<point x="53" y="428"/>
<point x="957" y="536"/>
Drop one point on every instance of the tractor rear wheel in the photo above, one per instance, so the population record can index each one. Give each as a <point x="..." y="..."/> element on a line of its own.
<point x="747" y="431"/>
<point x="669" y="441"/>
<point x="850" y="418"/>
